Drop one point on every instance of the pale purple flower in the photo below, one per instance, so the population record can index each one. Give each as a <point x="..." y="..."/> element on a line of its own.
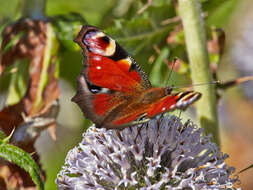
<point x="161" y="154"/>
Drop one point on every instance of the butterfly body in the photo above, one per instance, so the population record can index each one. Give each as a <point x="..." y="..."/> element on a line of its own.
<point x="113" y="91"/>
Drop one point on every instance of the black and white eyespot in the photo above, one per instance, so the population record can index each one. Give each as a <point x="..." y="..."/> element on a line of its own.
<point x="99" y="43"/>
<point x="119" y="53"/>
<point x="97" y="89"/>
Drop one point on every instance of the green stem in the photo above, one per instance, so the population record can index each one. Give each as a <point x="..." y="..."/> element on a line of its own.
<point x="190" y="12"/>
<point x="34" y="9"/>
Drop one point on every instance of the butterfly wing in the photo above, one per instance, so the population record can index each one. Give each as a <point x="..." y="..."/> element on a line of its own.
<point x="109" y="76"/>
<point x="168" y="103"/>
<point x="149" y="109"/>
<point x="171" y="102"/>
<point x="95" y="106"/>
<point x="107" y="64"/>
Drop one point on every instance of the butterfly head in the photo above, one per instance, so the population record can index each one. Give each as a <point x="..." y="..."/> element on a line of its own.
<point x="168" y="90"/>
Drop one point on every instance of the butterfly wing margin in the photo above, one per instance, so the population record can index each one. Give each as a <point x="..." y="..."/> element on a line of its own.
<point x="180" y="100"/>
<point x="99" y="107"/>
<point x="84" y="99"/>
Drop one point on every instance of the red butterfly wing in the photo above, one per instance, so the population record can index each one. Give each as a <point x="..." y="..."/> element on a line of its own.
<point x="96" y="107"/>
<point x="109" y="76"/>
<point x="113" y="75"/>
<point x="107" y="65"/>
<point x="150" y="109"/>
<point x="171" y="102"/>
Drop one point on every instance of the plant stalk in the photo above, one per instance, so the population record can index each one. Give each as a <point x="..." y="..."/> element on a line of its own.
<point x="190" y="12"/>
<point x="34" y="9"/>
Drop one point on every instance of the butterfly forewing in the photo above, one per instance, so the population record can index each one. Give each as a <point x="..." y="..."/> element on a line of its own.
<point x="107" y="63"/>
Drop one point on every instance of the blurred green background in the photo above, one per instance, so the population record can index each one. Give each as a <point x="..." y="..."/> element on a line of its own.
<point x="120" y="19"/>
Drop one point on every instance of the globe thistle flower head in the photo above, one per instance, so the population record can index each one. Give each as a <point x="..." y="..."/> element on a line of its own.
<point x="161" y="154"/>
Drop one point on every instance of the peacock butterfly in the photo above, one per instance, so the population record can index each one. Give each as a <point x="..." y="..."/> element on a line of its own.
<point x="112" y="89"/>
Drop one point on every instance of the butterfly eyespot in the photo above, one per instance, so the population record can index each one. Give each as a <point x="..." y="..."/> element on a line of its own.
<point x="89" y="35"/>
<point x="99" y="43"/>
<point x="106" y="39"/>
<point x="97" y="89"/>
<point x="93" y="88"/>
<point x="111" y="48"/>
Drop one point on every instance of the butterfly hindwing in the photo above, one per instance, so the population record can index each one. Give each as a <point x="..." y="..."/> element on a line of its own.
<point x="98" y="107"/>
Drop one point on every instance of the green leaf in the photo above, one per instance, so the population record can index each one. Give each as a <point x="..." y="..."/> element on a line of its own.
<point x="122" y="7"/>
<point x="67" y="28"/>
<point x="160" y="3"/>
<point x="220" y="12"/>
<point x="94" y="11"/>
<point x="23" y="160"/>
<point x="138" y="36"/>
<point x="132" y="32"/>
<point x="18" y="82"/>
<point x="2" y="135"/>
<point x="5" y="138"/>
<point x="13" y="42"/>
<point x="157" y="75"/>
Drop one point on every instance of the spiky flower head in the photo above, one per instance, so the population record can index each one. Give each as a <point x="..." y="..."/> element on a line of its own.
<point x="161" y="154"/>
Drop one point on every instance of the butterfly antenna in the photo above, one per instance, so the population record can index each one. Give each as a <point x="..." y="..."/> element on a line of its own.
<point x="199" y="84"/>
<point x="170" y="74"/>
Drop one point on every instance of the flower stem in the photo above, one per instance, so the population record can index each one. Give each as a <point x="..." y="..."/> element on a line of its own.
<point x="34" y="9"/>
<point x="190" y="12"/>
